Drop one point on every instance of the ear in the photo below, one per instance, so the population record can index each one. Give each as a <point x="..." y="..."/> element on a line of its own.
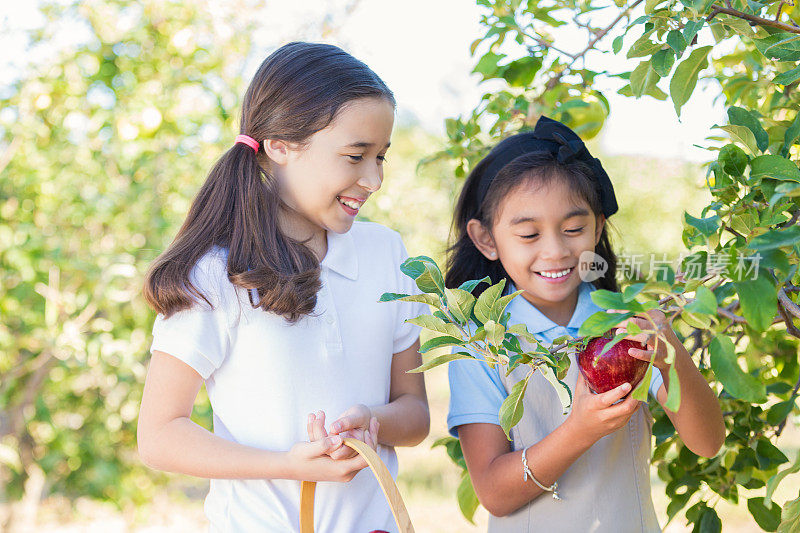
<point x="482" y="238"/>
<point x="600" y="223"/>
<point x="277" y="151"/>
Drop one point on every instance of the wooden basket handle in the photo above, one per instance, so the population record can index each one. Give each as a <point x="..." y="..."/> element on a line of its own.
<point x="384" y="480"/>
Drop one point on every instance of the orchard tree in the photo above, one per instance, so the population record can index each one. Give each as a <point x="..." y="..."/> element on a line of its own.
<point x="733" y="298"/>
<point x="102" y="143"/>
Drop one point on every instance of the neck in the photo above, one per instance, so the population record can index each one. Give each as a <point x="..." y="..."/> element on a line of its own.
<point x="296" y="227"/>
<point x="559" y="312"/>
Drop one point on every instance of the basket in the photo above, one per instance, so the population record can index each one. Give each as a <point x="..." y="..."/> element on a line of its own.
<point x="385" y="480"/>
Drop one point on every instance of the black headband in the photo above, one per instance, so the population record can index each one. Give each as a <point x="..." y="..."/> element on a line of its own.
<point x="553" y="137"/>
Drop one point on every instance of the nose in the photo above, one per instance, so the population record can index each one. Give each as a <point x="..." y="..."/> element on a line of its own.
<point x="554" y="247"/>
<point x="373" y="181"/>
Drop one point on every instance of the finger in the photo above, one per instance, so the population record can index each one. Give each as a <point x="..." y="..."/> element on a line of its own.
<point x="356" y="463"/>
<point x="328" y="445"/>
<point x="644" y="355"/>
<point x="343" y="424"/>
<point x="374" y="425"/>
<point x="609" y="397"/>
<point x="345" y="452"/>
<point x="310" y="427"/>
<point x="318" y="426"/>
<point x="624" y="409"/>
<point x="581" y="387"/>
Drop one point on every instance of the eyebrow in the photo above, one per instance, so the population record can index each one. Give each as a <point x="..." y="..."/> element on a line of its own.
<point x="362" y="144"/>
<point x="579" y="212"/>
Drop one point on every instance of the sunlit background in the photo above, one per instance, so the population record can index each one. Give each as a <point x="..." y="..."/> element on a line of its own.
<point x="114" y="167"/>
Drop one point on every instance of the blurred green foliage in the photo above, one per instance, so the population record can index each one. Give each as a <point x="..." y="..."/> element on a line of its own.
<point x="103" y="145"/>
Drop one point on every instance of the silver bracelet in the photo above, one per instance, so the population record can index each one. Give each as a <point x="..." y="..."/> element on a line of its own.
<point x="526" y="473"/>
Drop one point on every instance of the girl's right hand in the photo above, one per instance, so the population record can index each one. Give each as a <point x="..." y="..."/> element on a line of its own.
<point x="594" y="416"/>
<point x="311" y="461"/>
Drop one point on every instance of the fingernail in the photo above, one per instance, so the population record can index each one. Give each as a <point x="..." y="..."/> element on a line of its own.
<point x="626" y="387"/>
<point x="335" y="440"/>
<point x="337" y="426"/>
<point x="319" y="414"/>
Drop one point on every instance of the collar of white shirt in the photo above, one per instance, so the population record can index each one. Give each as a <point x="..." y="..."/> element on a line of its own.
<point x="341" y="255"/>
<point x="522" y="311"/>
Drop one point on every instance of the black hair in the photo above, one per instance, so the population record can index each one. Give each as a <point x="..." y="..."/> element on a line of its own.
<point x="464" y="260"/>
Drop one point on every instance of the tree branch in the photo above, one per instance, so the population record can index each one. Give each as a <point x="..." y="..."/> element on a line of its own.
<point x="785" y="307"/>
<point x="760" y="21"/>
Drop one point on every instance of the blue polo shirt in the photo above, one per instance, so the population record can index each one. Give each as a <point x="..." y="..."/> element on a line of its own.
<point x="476" y="391"/>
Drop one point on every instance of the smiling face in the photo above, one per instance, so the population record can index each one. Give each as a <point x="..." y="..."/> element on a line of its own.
<point x="538" y="233"/>
<point x="325" y="182"/>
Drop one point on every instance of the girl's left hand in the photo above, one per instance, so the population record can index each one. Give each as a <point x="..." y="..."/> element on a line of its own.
<point x="649" y="338"/>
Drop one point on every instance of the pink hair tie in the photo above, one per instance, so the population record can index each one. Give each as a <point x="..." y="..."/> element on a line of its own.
<point x="249" y="141"/>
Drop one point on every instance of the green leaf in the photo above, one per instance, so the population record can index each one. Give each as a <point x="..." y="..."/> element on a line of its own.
<point x="438" y="342"/>
<point x="775" y="480"/>
<point x="685" y="78"/>
<point x="500" y="305"/>
<point x="788" y="77"/>
<point x="782" y="46"/>
<point x="616" y="44"/>
<point x="662" y="62"/>
<point x="521" y="73"/>
<point x="467" y="499"/>
<point x="442" y="359"/>
<point x="707" y="226"/>
<point x="614" y="300"/>
<point x="643" y="387"/>
<point x="643" y="46"/>
<point x="736" y="381"/>
<point x="460" y="304"/>
<point x="739" y="116"/>
<point x="774" y="166"/>
<point x="709" y="521"/>
<point x="676" y="41"/>
<point x="470" y="285"/>
<point x="778" y="412"/>
<point x="424" y="271"/>
<point x="776" y="239"/>
<point x="522" y="331"/>
<point x="561" y="388"/>
<point x="790" y="517"/>
<point x="430" y="299"/>
<point x="792" y="132"/>
<point x="486" y="301"/>
<point x="434" y="323"/>
<point x="642" y="77"/>
<point x="495" y="332"/>
<point x="742" y="135"/>
<point x="705" y="301"/>
<point x="600" y="322"/>
<point x="674" y="393"/>
<point x="691" y="27"/>
<point x="733" y="159"/>
<point x="696" y="320"/>
<point x="512" y="407"/>
<point x="759" y="300"/>
<point x="487" y="65"/>
<point x="767" y="519"/>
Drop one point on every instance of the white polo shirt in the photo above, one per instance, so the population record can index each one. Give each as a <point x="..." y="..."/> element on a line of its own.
<point x="265" y="375"/>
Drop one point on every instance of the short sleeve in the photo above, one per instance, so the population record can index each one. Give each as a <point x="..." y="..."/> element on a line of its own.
<point x="656" y="380"/>
<point x="476" y="394"/>
<point x="198" y="336"/>
<point x="405" y="334"/>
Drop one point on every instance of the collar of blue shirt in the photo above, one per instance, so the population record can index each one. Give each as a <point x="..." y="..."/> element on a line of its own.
<point x="341" y="255"/>
<point x="523" y="311"/>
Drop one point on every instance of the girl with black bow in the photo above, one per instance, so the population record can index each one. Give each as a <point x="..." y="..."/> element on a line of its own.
<point x="530" y="212"/>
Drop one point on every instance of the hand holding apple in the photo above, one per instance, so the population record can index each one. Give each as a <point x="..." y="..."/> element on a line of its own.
<point x="594" y="416"/>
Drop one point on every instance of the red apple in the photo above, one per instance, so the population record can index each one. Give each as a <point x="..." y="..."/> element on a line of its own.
<point x="610" y="370"/>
